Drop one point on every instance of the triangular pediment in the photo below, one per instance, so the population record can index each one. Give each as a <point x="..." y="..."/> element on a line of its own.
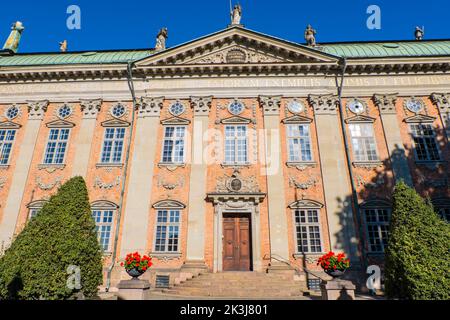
<point x="297" y="119"/>
<point x="115" y="123"/>
<point x="236" y="120"/>
<point x="175" y="121"/>
<point x="237" y="45"/>
<point x="420" y="118"/>
<point x="360" y="119"/>
<point x="9" y="125"/>
<point x="60" y="124"/>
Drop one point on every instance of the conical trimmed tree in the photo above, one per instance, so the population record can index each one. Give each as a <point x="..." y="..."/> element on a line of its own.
<point x="61" y="235"/>
<point x="417" y="257"/>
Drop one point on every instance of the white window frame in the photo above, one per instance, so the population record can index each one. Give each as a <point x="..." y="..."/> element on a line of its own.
<point x="114" y="142"/>
<point x="365" y="143"/>
<point x="296" y="155"/>
<point x="5" y="142"/>
<point x="58" y="141"/>
<point x="423" y="138"/>
<point x="174" y="139"/>
<point x="379" y="225"/>
<point x="308" y="226"/>
<point x="235" y="139"/>
<point x="102" y="226"/>
<point x="167" y="225"/>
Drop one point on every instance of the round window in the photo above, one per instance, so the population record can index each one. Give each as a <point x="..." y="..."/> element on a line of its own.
<point x="356" y="106"/>
<point x="177" y="109"/>
<point x="296" y="107"/>
<point x="414" y="105"/>
<point x="64" y="111"/>
<point x="118" y="110"/>
<point x="12" y="112"/>
<point x="236" y="107"/>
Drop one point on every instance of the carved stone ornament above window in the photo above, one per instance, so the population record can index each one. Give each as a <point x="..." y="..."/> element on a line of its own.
<point x="169" y="204"/>
<point x="306" y="204"/>
<point x="60" y="124"/>
<point x="297" y="120"/>
<point x="302" y="166"/>
<point x="356" y="106"/>
<point x="420" y="118"/>
<point x="360" y="119"/>
<point x="414" y="105"/>
<point x="236" y="183"/>
<point x="115" y="123"/>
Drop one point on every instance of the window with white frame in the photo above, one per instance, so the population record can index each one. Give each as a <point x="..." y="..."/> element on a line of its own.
<point x="167" y="234"/>
<point x="103" y="226"/>
<point x="113" y="143"/>
<point x="56" y="146"/>
<point x="6" y="142"/>
<point x="236" y="144"/>
<point x="34" y="208"/>
<point x="363" y="142"/>
<point x="307" y="230"/>
<point x="377" y="223"/>
<point x="425" y="144"/>
<point x="33" y="213"/>
<point x="173" y="145"/>
<point x="299" y="142"/>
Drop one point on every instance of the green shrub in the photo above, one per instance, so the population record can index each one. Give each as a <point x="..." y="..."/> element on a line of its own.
<point x="62" y="234"/>
<point x="417" y="257"/>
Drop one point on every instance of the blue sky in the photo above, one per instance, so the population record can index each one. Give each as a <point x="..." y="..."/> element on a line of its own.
<point x="133" y="24"/>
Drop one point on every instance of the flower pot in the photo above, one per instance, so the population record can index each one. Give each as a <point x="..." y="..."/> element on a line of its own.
<point x="335" y="273"/>
<point x="135" y="273"/>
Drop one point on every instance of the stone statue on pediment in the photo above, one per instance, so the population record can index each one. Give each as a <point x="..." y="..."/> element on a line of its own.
<point x="161" y="39"/>
<point x="12" y="43"/>
<point x="310" y="36"/>
<point x="419" y="33"/>
<point x="63" y="46"/>
<point x="236" y="15"/>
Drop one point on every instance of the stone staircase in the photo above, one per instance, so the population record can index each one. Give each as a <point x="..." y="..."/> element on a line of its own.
<point x="240" y="285"/>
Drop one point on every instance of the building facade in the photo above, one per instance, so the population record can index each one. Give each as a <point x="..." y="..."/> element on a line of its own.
<point x="240" y="151"/>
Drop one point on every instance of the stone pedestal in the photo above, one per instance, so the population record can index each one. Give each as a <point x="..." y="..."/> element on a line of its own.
<point x="338" y="290"/>
<point x="134" y="289"/>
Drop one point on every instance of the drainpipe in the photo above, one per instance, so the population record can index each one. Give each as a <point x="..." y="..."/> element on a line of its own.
<point x="124" y="176"/>
<point x="343" y="62"/>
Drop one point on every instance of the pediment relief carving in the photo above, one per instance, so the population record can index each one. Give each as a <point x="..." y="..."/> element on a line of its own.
<point x="236" y="120"/>
<point x="115" y="123"/>
<point x="175" y="121"/>
<point x="169" y="204"/>
<point x="236" y="183"/>
<point x="420" y="118"/>
<point x="60" y="124"/>
<point x="360" y="119"/>
<point x="296" y="119"/>
<point x="9" y="125"/>
<point x="305" y="204"/>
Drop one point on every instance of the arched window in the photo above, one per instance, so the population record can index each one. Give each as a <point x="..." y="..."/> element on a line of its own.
<point x="377" y="215"/>
<point x="308" y="227"/>
<point x="34" y="208"/>
<point x="167" y="226"/>
<point x="103" y="214"/>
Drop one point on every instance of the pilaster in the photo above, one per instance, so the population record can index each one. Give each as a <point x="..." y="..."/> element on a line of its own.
<point x="388" y="112"/>
<point x="442" y="101"/>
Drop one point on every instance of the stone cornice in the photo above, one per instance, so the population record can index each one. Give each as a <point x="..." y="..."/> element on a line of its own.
<point x="323" y="104"/>
<point x="37" y="109"/>
<point x="271" y="105"/>
<point x="201" y="105"/>
<point x="442" y="100"/>
<point x="91" y="108"/>
<point x="386" y="103"/>
<point x="149" y="107"/>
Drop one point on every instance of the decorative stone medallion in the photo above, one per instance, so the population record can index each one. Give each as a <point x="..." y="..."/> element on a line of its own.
<point x="177" y="109"/>
<point x="236" y="107"/>
<point x="118" y="110"/>
<point x="414" y="105"/>
<point x="12" y="112"/>
<point x="64" y="111"/>
<point x="356" y="106"/>
<point x="296" y="107"/>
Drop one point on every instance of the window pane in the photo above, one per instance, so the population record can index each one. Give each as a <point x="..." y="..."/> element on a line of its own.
<point x="113" y="145"/>
<point x="425" y="144"/>
<point x="167" y="230"/>
<point x="307" y="226"/>
<point x="103" y="226"/>
<point x="299" y="143"/>
<point x="377" y="221"/>
<point x="363" y="142"/>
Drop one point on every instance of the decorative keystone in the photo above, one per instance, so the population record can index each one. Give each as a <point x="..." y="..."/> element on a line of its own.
<point x="37" y="109"/>
<point x="271" y="105"/>
<point x="386" y="103"/>
<point x="149" y="107"/>
<point x="201" y="105"/>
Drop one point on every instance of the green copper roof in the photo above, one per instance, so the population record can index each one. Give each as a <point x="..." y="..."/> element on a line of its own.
<point x="92" y="57"/>
<point x="389" y="49"/>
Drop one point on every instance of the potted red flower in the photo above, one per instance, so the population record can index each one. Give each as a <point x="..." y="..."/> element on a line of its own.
<point x="334" y="265"/>
<point x="135" y="265"/>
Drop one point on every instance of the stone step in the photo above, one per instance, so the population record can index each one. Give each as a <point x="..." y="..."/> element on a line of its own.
<point x="246" y="284"/>
<point x="233" y="293"/>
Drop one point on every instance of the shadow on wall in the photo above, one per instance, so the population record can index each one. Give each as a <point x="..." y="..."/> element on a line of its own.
<point x="429" y="178"/>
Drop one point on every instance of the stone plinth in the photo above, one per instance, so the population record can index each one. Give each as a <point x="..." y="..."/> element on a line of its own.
<point x="134" y="289"/>
<point x="338" y="290"/>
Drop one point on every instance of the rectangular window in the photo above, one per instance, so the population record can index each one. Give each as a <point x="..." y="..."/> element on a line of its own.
<point x="377" y="221"/>
<point x="6" y="142"/>
<point x="445" y="213"/>
<point x="167" y="231"/>
<point x="363" y="141"/>
<point x="113" y="145"/>
<point x="103" y="226"/>
<point x="307" y="229"/>
<point x="56" y="146"/>
<point x="236" y="144"/>
<point x="299" y="142"/>
<point x="173" y="146"/>
<point x="425" y="143"/>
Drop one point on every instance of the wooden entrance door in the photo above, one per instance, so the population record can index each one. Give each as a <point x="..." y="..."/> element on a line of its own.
<point x="236" y="242"/>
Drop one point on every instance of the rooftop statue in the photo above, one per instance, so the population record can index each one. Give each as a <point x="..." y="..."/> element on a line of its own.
<point x="12" y="43"/>
<point x="310" y="36"/>
<point x="161" y="39"/>
<point x="236" y="15"/>
<point x="419" y="33"/>
<point x="63" y="46"/>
